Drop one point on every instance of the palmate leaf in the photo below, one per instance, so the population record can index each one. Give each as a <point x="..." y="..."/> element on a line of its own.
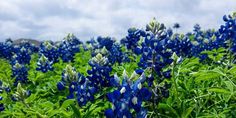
<point x="188" y="65"/>
<point x="206" y="75"/>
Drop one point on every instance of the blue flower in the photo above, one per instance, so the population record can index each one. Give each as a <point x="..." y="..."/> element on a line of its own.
<point x="20" y="73"/>
<point x="99" y="75"/>
<point x="85" y="92"/>
<point x="105" y="41"/>
<point x="131" y="41"/>
<point x="2" y="107"/>
<point x="44" y="64"/>
<point x="60" y="85"/>
<point x="109" y="113"/>
<point x="77" y="84"/>
<point x="129" y="95"/>
<point x="226" y="35"/>
<point x="116" y="55"/>
<point x="23" y="56"/>
<point x="7" y="49"/>
<point x="49" y="50"/>
<point x="68" y="47"/>
<point x="176" y="26"/>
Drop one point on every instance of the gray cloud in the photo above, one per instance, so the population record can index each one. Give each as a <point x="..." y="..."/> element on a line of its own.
<point x="53" y="19"/>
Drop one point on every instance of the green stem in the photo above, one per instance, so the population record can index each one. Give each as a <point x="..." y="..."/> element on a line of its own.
<point x="174" y="80"/>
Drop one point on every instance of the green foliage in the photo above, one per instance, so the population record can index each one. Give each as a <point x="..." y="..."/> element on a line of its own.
<point x="200" y="89"/>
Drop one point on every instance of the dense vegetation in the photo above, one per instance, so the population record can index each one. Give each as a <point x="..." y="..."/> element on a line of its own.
<point x="154" y="72"/>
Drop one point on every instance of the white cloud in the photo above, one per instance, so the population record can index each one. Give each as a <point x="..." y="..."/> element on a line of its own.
<point x="53" y="19"/>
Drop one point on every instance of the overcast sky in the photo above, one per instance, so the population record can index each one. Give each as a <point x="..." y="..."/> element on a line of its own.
<point x="53" y="19"/>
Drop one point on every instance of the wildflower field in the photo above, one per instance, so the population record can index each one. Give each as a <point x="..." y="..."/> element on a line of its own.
<point x="150" y="73"/>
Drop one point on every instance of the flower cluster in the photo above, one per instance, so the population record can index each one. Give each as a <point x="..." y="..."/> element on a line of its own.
<point x="20" y="73"/>
<point x="44" y="64"/>
<point x="6" y="49"/>
<point x="92" y="44"/>
<point x="155" y="54"/>
<point x="116" y="55"/>
<point x="30" y="46"/>
<point x="181" y="45"/>
<point x="85" y="93"/>
<point x="49" y="50"/>
<point x="70" y="78"/>
<point x="22" y="56"/>
<point x="202" y="41"/>
<point x="79" y="86"/>
<point x="68" y="47"/>
<point x="20" y="94"/>
<point x="130" y="95"/>
<point x="105" y="41"/>
<point x="227" y="33"/>
<point x="99" y="74"/>
<point x="131" y="41"/>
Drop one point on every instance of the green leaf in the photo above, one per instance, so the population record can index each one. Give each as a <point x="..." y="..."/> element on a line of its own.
<point x="229" y="86"/>
<point x="219" y="90"/>
<point x="67" y="103"/>
<point x="187" y="112"/>
<point x="77" y="112"/>
<point x="206" y="75"/>
<point x="168" y="107"/>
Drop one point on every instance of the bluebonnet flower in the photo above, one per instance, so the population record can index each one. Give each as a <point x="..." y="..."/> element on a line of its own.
<point x="22" y="56"/>
<point x="92" y="44"/>
<point x="197" y="28"/>
<point x="21" y="94"/>
<point x="181" y="45"/>
<point x="8" y="89"/>
<point x="79" y="86"/>
<point x="49" y="50"/>
<point x="72" y="79"/>
<point x="226" y="35"/>
<point x="176" y="26"/>
<point x="201" y="41"/>
<point x="2" y="88"/>
<point x="44" y="64"/>
<point x="2" y="107"/>
<point x="7" y="49"/>
<point x="158" y="30"/>
<point x="103" y="51"/>
<point x="131" y="41"/>
<point x="85" y="92"/>
<point x="129" y="95"/>
<point x="20" y="73"/>
<point x="99" y="74"/>
<point x="116" y="55"/>
<point x="105" y="41"/>
<point x="155" y="52"/>
<point x="68" y="47"/>
<point x="27" y="45"/>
